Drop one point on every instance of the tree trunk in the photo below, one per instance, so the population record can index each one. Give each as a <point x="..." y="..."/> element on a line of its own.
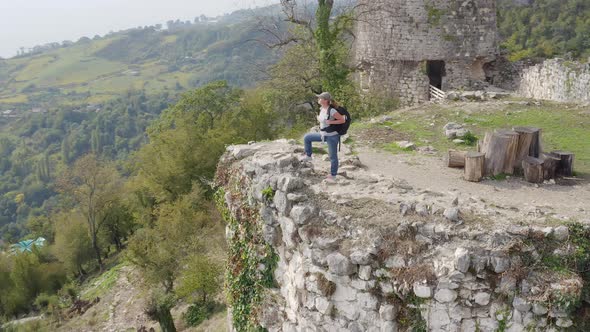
<point x="456" y="159"/>
<point x="533" y="169"/>
<point x="97" y="251"/>
<point x="325" y="44"/>
<point x="550" y="164"/>
<point x="511" y="150"/>
<point x="495" y="148"/>
<point x="474" y="166"/>
<point x="566" y="163"/>
<point x="81" y="271"/>
<point x="118" y="243"/>
<point x="166" y="321"/>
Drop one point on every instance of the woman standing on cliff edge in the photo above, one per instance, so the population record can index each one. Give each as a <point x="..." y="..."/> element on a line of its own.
<point x="328" y="116"/>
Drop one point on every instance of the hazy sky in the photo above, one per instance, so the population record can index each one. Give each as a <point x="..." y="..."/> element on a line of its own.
<point x="33" y="22"/>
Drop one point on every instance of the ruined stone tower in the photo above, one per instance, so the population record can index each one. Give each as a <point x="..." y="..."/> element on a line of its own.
<point x="404" y="46"/>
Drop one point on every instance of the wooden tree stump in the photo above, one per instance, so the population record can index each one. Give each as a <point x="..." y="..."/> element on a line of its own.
<point x="511" y="150"/>
<point x="550" y="164"/>
<point x="495" y="147"/>
<point x="474" y="166"/>
<point x="533" y="169"/>
<point x="566" y="162"/>
<point x="535" y="144"/>
<point x="456" y="158"/>
<point x="526" y="136"/>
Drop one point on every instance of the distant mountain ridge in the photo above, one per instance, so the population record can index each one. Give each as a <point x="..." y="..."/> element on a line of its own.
<point x="151" y="58"/>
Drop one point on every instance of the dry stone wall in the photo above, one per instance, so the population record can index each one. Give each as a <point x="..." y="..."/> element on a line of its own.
<point x="370" y="253"/>
<point x="558" y="80"/>
<point x="394" y="37"/>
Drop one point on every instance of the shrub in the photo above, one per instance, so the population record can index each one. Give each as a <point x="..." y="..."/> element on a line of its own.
<point x="198" y="312"/>
<point x="470" y="139"/>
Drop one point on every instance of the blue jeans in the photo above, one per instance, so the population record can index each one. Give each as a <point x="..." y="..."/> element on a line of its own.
<point x="332" y="148"/>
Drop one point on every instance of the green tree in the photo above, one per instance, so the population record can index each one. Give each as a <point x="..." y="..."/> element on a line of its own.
<point x="41" y="226"/>
<point x="66" y="150"/>
<point x="158" y="308"/>
<point x="187" y="141"/>
<point x="545" y="28"/>
<point x="182" y="228"/>
<point x="6" y="285"/>
<point x="200" y="280"/>
<point x="25" y="276"/>
<point x="43" y="170"/>
<point x="118" y="225"/>
<point x="328" y="36"/>
<point x="73" y="246"/>
<point x="94" y="186"/>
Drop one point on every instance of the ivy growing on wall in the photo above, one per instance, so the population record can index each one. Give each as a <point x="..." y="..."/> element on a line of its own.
<point x="245" y="281"/>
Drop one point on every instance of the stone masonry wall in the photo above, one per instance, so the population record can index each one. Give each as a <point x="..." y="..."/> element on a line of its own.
<point x="405" y="80"/>
<point x="558" y="80"/>
<point x="392" y="33"/>
<point x="426" y="30"/>
<point x="370" y="253"/>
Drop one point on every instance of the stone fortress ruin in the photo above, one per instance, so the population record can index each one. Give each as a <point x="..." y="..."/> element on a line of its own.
<point x="409" y="49"/>
<point x="404" y="47"/>
<point x="373" y="253"/>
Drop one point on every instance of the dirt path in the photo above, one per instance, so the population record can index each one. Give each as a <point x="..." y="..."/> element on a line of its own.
<point x="513" y="194"/>
<point x="120" y="308"/>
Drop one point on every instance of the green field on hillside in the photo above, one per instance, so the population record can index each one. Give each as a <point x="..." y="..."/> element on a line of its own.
<point x="94" y="71"/>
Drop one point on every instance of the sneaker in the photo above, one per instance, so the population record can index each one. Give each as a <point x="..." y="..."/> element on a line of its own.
<point x="306" y="159"/>
<point x="330" y="178"/>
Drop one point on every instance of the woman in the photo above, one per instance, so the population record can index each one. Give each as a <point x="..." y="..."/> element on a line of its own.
<point x="328" y="116"/>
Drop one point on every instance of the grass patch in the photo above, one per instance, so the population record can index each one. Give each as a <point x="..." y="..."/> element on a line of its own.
<point x="470" y="139"/>
<point x="102" y="283"/>
<point x="44" y="324"/>
<point x="564" y="127"/>
<point x="217" y="322"/>
<point x="499" y="177"/>
<point x="395" y="149"/>
<point x="15" y="99"/>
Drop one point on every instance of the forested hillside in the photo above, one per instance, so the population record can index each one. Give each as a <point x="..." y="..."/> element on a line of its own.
<point x="153" y="59"/>
<point x="37" y="147"/>
<point x="99" y="95"/>
<point x="545" y="28"/>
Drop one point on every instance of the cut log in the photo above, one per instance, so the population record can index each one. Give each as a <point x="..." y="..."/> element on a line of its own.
<point x="550" y="164"/>
<point x="456" y="159"/>
<point x="566" y="163"/>
<point x="484" y="143"/>
<point x="511" y="150"/>
<point x="495" y="148"/>
<point x="474" y="166"/>
<point x="533" y="169"/>
<point x="526" y="135"/>
<point x="534" y="147"/>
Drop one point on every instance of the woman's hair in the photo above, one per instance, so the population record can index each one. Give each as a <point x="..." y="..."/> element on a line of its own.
<point x="334" y="104"/>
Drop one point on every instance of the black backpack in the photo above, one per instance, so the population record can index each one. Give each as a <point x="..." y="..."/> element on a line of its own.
<point x="342" y="128"/>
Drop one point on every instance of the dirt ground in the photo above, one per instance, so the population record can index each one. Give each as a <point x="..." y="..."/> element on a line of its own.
<point x="120" y="309"/>
<point x="565" y="199"/>
<point x="569" y="201"/>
